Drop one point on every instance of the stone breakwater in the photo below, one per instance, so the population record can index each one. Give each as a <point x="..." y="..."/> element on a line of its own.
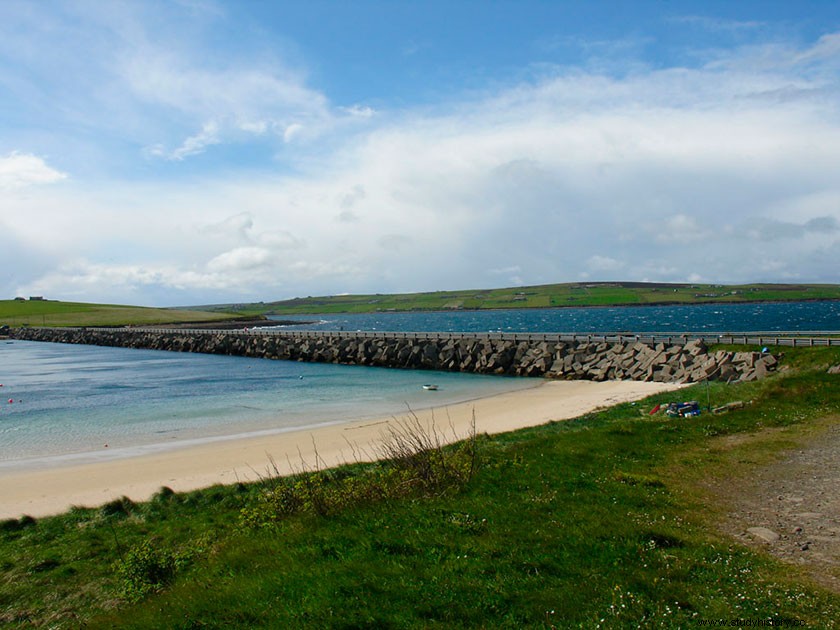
<point x="574" y="359"/>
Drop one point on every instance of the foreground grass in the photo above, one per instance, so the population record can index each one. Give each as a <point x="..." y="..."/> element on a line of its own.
<point x="54" y="313"/>
<point x="598" y="522"/>
<point x="545" y="296"/>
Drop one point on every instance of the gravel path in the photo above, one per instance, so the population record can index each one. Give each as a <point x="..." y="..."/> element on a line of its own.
<point x="792" y="508"/>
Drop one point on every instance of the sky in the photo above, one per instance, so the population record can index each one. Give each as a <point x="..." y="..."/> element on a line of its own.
<point x="187" y="152"/>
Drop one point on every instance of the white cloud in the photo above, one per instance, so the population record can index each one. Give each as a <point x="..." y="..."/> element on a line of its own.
<point x="240" y="259"/>
<point x="680" y="228"/>
<point x="827" y="49"/>
<point x="231" y="99"/>
<point x="239" y="224"/>
<point x="184" y="84"/>
<point x="359" y="111"/>
<point x="764" y="229"/>
<point x="667" y="174"/>
<point x="257" y="127"/>
<point x="717" y="24"/>
<point x="291" y="131"/>
<point x="209" y="135"/>
<point x="20" y="170"/>
<point x="163" y="77"/>
<point x="280" y="240"/>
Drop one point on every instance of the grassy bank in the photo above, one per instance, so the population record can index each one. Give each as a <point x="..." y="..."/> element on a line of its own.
<point x="54" y="313"/>
<point x="545" y="296"/>
<point x="604" y="521"/>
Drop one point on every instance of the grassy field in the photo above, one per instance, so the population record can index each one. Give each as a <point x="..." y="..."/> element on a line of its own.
<point x="600" y="522"/>
<point x="54" y="313"/>
<point x="544" y="296"/>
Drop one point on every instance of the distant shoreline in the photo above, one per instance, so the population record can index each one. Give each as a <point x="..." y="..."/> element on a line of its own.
<point x="606" y="294"/>
<point x="535" y="308"/>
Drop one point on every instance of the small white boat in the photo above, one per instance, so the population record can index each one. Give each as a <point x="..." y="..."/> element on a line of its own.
<point x="430" y="387"/>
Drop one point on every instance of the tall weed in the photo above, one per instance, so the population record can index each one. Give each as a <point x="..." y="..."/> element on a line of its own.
<point x="412" y="458"/>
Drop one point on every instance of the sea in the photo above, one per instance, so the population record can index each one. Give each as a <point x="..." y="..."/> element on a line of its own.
<point x="63" y="404"/>
<point x="706" y="318"/>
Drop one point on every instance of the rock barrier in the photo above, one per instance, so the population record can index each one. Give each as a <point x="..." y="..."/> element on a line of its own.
<point x="573" y="360"/>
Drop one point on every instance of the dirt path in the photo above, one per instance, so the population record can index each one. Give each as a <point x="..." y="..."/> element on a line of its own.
<point x="791" y="508"/>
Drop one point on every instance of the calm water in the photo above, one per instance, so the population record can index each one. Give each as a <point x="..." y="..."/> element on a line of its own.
<point x="70" y="400"/>
<point x="797" y="316"/>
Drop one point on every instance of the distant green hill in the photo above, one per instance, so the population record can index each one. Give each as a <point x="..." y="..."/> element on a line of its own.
<point x="544" y="296"/>
<point x="57" y="313"/>
<point x="54" y="313"/>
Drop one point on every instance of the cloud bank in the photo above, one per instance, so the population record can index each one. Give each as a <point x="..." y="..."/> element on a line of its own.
<point x="725" y="171"/>
<point x="18" y="170"/>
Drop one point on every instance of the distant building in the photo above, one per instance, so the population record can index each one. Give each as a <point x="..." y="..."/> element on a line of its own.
<point x="36" y="298"/>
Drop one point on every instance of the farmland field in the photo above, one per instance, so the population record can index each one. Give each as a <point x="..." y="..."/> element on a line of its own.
<point x="55" y="313"/>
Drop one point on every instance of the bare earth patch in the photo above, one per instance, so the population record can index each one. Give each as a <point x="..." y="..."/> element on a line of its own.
<point x="791" y="508"/>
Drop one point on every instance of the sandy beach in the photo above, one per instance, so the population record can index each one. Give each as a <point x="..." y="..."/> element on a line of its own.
<point x="54" y="490"/>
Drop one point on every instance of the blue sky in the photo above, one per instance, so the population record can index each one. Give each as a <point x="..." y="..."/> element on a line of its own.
<point x="192" y="151"/>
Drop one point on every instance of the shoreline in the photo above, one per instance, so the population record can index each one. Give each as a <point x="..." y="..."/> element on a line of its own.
<point x="55" y="490"/>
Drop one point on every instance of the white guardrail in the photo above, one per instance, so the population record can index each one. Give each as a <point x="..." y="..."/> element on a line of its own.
<point x="790" y="339"/>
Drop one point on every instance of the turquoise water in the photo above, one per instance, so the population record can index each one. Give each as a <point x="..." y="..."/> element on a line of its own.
<point x="69" y="400"/>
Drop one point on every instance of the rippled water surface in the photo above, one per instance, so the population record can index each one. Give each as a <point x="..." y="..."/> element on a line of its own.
<point x="795" y="316"/>
<point x="68" y="401"/>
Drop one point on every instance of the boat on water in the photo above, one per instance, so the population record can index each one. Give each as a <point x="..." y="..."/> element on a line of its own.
<point x="430" y="387"/>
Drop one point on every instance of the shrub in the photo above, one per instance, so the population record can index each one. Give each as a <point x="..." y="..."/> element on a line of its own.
<point x="118" y="507"/>
<point x="421" y="452"/>
<point x="145" y="569"/>
<point x="164" y="495"/>
<point x="14" y="525"/>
